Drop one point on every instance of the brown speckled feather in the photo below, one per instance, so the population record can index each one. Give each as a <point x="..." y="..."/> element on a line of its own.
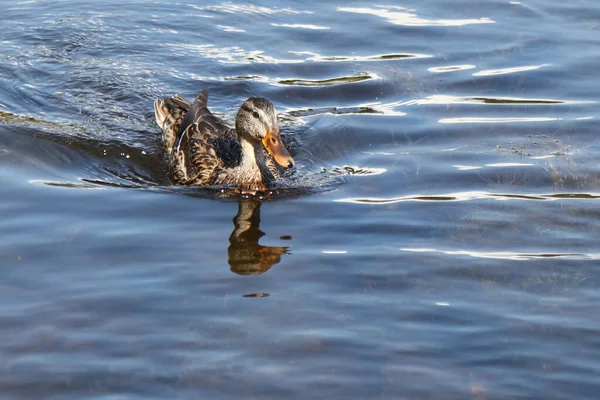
<point x="169" y="114"/>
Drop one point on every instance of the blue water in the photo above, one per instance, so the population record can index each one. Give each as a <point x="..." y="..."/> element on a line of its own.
<point x="439" y="239"/>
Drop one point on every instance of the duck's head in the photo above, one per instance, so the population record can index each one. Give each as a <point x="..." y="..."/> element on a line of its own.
<point x="257" y="121"/>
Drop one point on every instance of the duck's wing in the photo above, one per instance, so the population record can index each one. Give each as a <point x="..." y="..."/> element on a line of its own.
<point x="195" y="161"/>
<point x="204" y="146"/>
<point x="198" y="113"/>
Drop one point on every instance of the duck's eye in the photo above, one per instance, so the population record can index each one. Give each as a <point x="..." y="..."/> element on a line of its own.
<point x="255" y="114"/>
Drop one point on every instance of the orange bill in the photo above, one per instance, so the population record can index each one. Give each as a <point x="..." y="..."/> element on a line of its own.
<point x="274" y="146"/>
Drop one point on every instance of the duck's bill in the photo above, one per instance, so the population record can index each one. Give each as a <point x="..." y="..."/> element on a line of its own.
<point x="274" y="146"/>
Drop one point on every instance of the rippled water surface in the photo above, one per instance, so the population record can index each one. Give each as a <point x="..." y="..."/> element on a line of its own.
<point x="437" y="239"/>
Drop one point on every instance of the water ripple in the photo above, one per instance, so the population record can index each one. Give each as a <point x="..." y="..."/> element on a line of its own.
<point x="231" y="8"/>
<point x="239" y="55"/>
<point x="357" y="171"/>
<point x="227" y="28"/>
<point x="507" y="255"/>
<point x="295" y="82"/>
<point x="513" y="70"/>
<point x="407" y="17"/>
<point x="363" y="109"/>
<point x="449" y="99"/>
<point x="496" y="120"/>
<point x="328" y="82"/>
<point x="450" y="68"/>
<point x="302" y="26"/>
<point x="391" y="108"/>
<point x="469" y="196"/>
<point x="228" y="54"/>
<point x="316" y="57"/>
<point x="332" y="110"/>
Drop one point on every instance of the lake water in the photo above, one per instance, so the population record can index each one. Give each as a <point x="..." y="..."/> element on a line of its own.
<point x="437" y="239"/>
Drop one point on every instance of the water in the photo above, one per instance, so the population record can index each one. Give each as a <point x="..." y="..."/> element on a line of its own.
<point x="438" y="239"/>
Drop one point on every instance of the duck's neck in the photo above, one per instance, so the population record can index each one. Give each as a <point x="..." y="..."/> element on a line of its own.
<point x="252" y="164"/>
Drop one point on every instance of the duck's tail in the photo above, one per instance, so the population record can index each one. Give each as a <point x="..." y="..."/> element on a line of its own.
<point x="169" y="113"/>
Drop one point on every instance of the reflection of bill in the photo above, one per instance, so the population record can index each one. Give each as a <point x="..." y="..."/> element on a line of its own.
<point x="246" y="256"/>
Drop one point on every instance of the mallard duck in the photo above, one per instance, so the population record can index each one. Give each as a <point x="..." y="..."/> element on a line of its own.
<point x="203" y="151"/>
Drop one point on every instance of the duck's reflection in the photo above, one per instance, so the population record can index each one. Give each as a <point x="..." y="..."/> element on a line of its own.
<point x="246" y="256"/>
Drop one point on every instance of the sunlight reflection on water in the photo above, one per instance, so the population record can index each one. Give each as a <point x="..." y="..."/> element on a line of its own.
<point x="437" y="238"/>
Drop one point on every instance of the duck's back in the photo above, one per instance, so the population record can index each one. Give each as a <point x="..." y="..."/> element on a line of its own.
<point x="198" y="144"/>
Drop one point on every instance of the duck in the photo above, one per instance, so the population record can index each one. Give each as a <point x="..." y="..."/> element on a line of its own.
<point x="202" y="150"/>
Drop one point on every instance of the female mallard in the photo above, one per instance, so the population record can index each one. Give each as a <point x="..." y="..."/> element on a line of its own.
<point x="203" y="151"/>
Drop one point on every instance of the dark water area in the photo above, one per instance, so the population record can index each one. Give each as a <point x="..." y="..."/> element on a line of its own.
<point x="437" y="238"/>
